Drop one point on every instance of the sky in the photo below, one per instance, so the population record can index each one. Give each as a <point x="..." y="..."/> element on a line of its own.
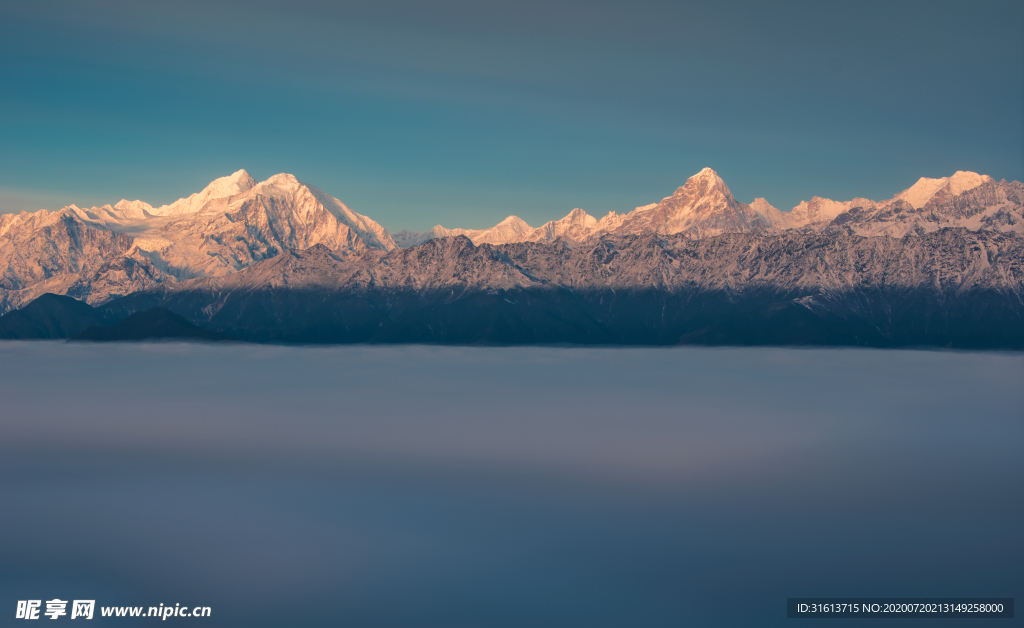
<point x="461" y="113"/>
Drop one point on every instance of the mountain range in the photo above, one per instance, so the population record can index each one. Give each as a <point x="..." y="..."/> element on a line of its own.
<point x="101" y="253"/>
<point x="705" y="206"/>
<point x="941" y="263"/>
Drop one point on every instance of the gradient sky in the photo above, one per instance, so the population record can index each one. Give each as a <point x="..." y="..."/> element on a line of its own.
<point x="461" y="113"/>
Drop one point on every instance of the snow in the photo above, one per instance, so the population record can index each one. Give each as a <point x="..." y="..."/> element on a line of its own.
<point x="962" y="181"/>
<point x="222" y="188"/>
<point x="922" y="191"/>
<point x="704" y="206"/>
<point x="152" y="244"/>
<point x="925" y="189"/>
<point x="235" y="222"/>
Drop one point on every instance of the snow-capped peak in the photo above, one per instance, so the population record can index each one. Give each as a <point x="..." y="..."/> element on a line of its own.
<point x="703" y="183"/>
<point x="961" y="181"/>
<point x="133" y="209"/>
<point x="762" y="205"/>
<point x="234" y="184"/>
<point x="515" y="222"/>
<point x="925" y="189"/>
<point x="282" y="181"/>
<point x="580" y="217"/>
<point x="707" y="174"/>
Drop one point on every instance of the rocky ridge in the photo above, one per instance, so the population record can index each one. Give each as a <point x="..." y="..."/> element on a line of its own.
<point x="101" y="253"/>
<point x="951" y="287"/>
<point x="949" y="261"/>
<point x="705" y="206"/>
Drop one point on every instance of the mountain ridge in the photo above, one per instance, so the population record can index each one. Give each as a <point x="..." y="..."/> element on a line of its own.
<point x="951" y="287"/>
<point x="704" y="206"/>
<point x="101" y="253"/>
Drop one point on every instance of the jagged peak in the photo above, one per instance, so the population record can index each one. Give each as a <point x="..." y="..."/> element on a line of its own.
<point x="237" y="182"/>
<point x="240" y="175"/>
<point x="761" y="204"/>
<point x="514" y="221"/>
<point x="704" y="182"/>
<point x="579" y="217"/>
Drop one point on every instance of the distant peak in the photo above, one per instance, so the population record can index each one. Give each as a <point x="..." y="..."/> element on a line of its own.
<point x="513" y="220"/>
<point x="236" y="183"/>
<point x="281" y="183"/>
<point x="282" y="179"/>
<point x="133" y="209"/>
<point x="707" y="174"/>
<point x="761" y="204"/>
<point x="962" y="180"/>
<point x="921" y="192"/>
<point x="704" y="182"/>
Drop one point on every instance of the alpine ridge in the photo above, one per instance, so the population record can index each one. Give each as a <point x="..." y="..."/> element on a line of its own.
<point x="100" y="253"/>
<point x="704" y="206"/>
<point x="281" y="260"/>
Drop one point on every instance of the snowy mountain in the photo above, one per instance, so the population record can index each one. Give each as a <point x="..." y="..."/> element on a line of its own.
<point x="992" y="206"/>
<point x="57" y="252"/>
<point x="705" y="206"/>
<point x="938" y="190"/>
<point x="100" y="253"/>
<point x="512" y="229"/>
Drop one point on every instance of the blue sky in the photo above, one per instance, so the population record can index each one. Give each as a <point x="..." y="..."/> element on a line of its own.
<point x="462" y="113"/>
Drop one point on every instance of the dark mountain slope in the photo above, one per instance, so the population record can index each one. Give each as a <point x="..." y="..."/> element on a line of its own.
<point x="52" y="316"/>
<point x="153" y="324"/>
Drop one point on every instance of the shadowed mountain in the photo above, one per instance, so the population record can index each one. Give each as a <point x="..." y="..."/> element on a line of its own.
<point x="949" y="288"/>
<point x="53" y="316"/>
<point x="153" y="324"/>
